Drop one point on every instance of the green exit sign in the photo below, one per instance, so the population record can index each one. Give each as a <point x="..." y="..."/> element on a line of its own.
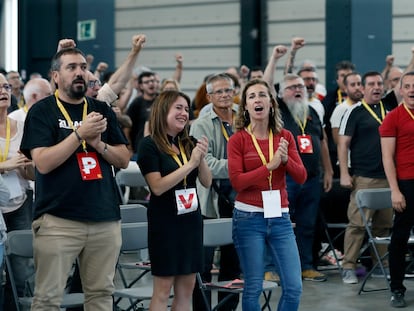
<point x="87" y="30"/>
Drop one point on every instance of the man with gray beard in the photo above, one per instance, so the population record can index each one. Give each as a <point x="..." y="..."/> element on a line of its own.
<point x="305" y="125"/>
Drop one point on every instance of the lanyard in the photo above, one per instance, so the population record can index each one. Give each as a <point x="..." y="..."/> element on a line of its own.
<point x="3" y="156"/>
<point x="225" y="134"/>
<point x="177" y="159"/>
<point x="408" y="110"/>
<point x="67" y="117"/>
<point x="224" y="131"/>
<point x="260" y="152"/>
<point x="373" y="114"/>
<point x="302" y="125"/>
<point x="339" y="96"/>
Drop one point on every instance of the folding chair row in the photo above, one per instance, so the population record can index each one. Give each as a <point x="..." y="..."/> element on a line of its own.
<point x="134" y="212"/>
<point x="127" y="179"/>
<point x="20" y="243"/>
<point x="134" y="239"/>
<point x="218" y="232"/>
<point x="375" y="199"/>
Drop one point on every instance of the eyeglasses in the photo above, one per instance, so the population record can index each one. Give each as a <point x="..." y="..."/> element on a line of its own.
<point x="309" y="79"/>
<point x="148" y="81"/>
<point x="6" y="86"/>
<point x="93" y="83"/>
<point x="228" y="91"/>
<point x="16" y="78"/>
<point x="294" y="87"/>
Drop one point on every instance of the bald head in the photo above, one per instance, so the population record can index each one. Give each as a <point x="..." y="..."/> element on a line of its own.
<point x="35" y="90"/>
<point x="394" y="76"/>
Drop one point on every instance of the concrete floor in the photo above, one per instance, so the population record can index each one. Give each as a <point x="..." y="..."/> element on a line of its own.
<point x="334" y="295"/>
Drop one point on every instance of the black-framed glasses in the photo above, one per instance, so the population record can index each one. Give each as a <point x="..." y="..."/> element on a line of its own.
<point x="220" y="92"/>
<point x="93" y="83"/>
<point x="294" y="87"/>
<point x="6" y="86"/>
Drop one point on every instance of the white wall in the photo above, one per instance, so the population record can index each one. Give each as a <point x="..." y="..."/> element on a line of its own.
<point x="402" y="31"/>
<point x="207" y="33"/>
<point x="298" y="18"/>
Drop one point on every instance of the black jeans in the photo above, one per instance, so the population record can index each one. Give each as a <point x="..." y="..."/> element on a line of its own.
<point x="403" y="223"/>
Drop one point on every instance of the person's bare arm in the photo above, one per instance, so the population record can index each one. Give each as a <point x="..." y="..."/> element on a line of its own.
<point x="268" y="75"/>
<point x="178" y="67"/>
<point x="344" y="142"/>
<point x="388" y="145"/>
<point x="389" y="61"/>
<point x="326" y="164"/>
<point x="123" y="74"/>
<point x="297" y="43"/>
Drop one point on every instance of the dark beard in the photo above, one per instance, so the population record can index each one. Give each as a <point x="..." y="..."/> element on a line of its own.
<point x="77" y="92"/>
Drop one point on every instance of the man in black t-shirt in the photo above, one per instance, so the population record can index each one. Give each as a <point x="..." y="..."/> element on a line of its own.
<point x="359" y="134"/>
<point x="74" y="141"/>
<point x="140" y="108"/>
<point x="305" y="125"/>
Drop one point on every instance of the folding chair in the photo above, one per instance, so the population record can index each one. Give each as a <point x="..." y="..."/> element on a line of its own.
<point x="333" y="221"/>
<point x="218" y="232"/>
<point x="331" y="240"/>
<point x="127" y="178"/>
<point x="133" y="213"/>
<point x="20" y="243"/>
<point x="134" y="238"/>
<point x="375" y="199"/>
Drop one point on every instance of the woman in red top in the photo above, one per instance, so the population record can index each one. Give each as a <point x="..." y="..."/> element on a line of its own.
<point x="259" y="156"/>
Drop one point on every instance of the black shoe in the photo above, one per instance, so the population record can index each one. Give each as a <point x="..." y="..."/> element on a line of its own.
<point x="397" y="300"/>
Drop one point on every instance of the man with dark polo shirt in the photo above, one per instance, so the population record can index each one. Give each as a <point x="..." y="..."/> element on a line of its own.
<point x="74" y="142"/>
<point x="303" y="121"/>
<point x="358" y="133"/>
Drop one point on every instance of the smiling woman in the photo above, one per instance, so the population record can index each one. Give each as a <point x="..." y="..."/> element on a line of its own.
<point x="171" y="161"/>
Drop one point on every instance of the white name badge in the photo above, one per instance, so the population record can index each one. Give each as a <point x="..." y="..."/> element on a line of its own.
<point x="272" y="204"/>
<point x="12" y="182"/>
<point x="186" y="200"/>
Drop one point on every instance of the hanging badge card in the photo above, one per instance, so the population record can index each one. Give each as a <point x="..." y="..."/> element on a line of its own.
<point x="305" y="143"/>
<point x="186" y="200"/>
<point x="271" y="203"/>
<point x="89" y="166"/>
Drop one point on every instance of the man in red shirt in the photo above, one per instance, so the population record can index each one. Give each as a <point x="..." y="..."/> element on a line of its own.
<point x="398" y="158"/>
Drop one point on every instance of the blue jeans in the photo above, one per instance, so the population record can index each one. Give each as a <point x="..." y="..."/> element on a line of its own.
<point x="252" y="233"/>
<point x="303" y="207"/>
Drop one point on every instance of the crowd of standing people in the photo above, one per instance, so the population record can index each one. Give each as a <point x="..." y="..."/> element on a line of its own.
<point x="245" y="147"/>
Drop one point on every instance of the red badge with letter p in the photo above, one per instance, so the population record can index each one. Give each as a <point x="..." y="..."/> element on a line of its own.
<point x="89" y="166"/>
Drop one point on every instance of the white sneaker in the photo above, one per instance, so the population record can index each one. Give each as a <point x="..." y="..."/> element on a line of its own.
<point x="349" y="276"/>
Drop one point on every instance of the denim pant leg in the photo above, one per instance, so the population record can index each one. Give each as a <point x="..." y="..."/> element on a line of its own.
<point x="249" y="236"/>
<point x="285" y="255"/>
<point x="403" y="222"/>
<point x="304" y="202"/>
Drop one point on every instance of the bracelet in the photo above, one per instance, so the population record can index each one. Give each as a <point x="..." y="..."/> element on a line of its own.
<point x="78" y="136"/>
<point x="105" y="149"/>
